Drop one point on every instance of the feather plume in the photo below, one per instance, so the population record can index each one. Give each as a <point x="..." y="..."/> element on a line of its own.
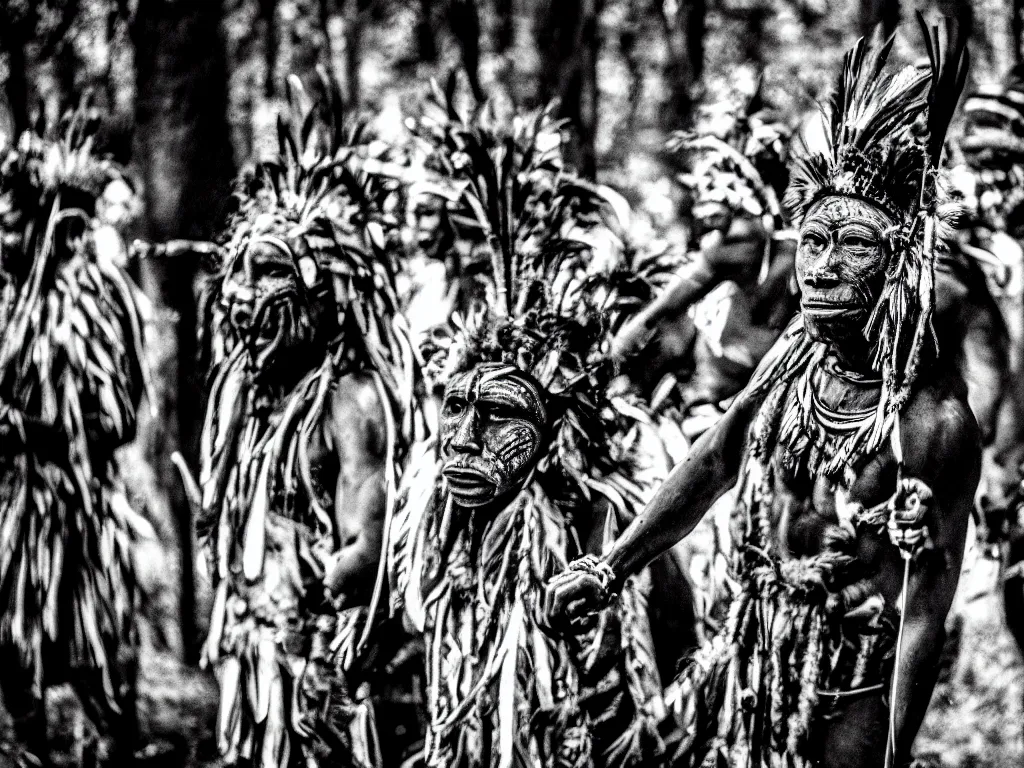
<point x="950" y="61"/>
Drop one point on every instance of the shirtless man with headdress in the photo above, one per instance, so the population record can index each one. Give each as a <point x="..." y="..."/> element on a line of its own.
<point x="856" y="456"/>
<point x="71" y="376"/>
<point x="738" y="172"/>
<point x="526" y="474"/>
<point x="312" y="408"/>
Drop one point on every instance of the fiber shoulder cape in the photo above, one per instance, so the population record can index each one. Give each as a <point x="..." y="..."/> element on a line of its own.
<point x="276" y="639"/>
<point x="71" y="376"/>
<point x="500" y="691"/>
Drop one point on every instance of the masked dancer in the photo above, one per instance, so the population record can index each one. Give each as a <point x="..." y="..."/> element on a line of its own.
<point x="71" y="376"/>
<point x="312" y="408"/>
<point x="526" y="474"/>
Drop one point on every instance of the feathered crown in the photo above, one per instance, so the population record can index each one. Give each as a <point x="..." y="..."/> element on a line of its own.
<point x="548" y="307"/>
<point x="993" y="147"/>
<point x="884" y="129"/>
<point x="52" y="177"/>
<point x="884" y="134"/>
<point x="316" y="202"/>
<point x="738" y="156"/>
<point x="58" y="158"/>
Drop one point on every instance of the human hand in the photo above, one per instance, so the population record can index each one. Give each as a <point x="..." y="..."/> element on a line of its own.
<point x="573" y="599"/>
<point x="345" y="645"/>
<point x="908" y="510"/>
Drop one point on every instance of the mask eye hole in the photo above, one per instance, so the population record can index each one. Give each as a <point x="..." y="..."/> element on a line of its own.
<point x="813" y="241"/>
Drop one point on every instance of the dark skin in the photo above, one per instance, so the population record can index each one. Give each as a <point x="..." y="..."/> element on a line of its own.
<point x="353" y="437"/>
<point x="941" y="449"/>
<point x="662" y="334"/>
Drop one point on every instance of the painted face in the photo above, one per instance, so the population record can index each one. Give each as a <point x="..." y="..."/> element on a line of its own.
<point x="840" y="266"/>
<point x="492" y="420"/>
<point x="270" y="298"/>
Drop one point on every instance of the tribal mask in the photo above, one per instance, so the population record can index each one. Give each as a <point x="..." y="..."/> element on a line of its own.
<point x="274" y="295"/>
<point x="493" y="421"/>
<point x="840" y="266"/>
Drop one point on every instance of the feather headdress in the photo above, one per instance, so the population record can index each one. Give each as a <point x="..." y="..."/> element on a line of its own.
<point x="315" y="201"/>
<point x="884" y="133"/>
<point x="995" y="119"/>
<point x="266" y="519"/>
<point x="993" y="146"/>
<point x="550" y="305"/>
<point x="548" y="314"/>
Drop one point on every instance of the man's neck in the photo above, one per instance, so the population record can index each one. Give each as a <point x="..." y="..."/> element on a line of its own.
<point x="852" y="360"/>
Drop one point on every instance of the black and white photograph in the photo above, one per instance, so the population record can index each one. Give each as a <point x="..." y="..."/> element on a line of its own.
<point x="511" y="383"/>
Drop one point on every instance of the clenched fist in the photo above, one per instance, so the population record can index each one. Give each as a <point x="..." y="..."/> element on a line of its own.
<point x="908" y="509"/>
<point x="573" y="599"/>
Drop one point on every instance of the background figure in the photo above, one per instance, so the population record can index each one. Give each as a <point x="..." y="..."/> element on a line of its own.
<point x="71" y="375"/>
<point x="313" y="406"/>
<point x="190" y="90"/>
<point x="737" y="176"/>
<point x="993" y="150"/>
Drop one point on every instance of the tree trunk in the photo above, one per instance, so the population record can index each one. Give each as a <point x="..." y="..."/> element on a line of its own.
<point x="504" y="25"/>
<point x="567" y="39"/>
<point x="426" y="33"/>
<point x="353" y="53"/>
<point x="684" y="36"/>
<point x="183" y="147"/>
<point x="1017" y="29"/>
<point x="464" y="20"/>
<point x="16" y="85"/>
<point x="887" y="13"/>
<point x="268" y="10"/>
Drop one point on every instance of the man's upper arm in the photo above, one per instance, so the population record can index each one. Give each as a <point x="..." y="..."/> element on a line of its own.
<point x="948" y="459"/>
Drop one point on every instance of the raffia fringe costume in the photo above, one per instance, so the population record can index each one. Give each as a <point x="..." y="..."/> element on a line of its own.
<point x="500" y="692"/>
<point x="268" y="522"/>
<point x="70" y="377"/>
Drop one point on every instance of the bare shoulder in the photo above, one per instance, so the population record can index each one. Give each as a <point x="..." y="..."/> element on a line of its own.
<point x="940" y="437"/>
<point x="356" y="416"/>
<point x="741" y="249"/>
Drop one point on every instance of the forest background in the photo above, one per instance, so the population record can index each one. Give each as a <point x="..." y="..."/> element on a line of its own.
<point x="190" y="90"/>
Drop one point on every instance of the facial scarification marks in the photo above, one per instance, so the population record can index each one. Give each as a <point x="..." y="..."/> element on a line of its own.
<point x="838" y="210"/>
<point x="841" y="262"/>
<point x="492" y="422"/>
